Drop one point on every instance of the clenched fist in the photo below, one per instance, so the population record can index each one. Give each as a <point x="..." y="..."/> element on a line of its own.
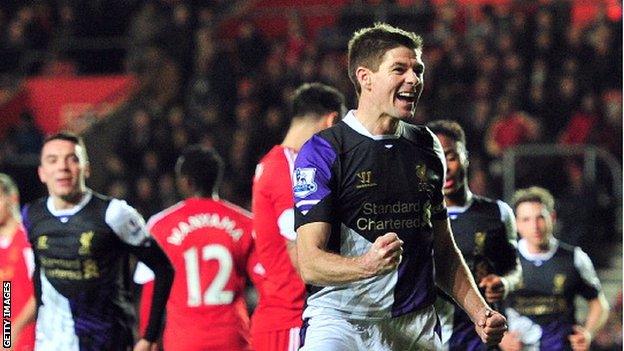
<point x="384" y="256"/>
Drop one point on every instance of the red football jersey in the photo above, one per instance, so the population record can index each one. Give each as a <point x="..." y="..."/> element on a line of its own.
<point x="280" y="301"/>
<point x="16" y="264"/>
<point x="209" y="243"/>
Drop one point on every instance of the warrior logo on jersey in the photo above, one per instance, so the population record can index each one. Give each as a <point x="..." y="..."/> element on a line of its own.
<point x="85" y="243"/>
<point x="304" y="182"/>
<point x="365" y="178"/>
<point x="558" y="283"/>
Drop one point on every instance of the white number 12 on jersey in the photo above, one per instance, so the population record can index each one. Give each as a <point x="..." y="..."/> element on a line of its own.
<point x="214" y="295"/>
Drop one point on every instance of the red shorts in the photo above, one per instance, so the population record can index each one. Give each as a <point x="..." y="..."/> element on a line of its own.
<point x="277" y="340"/>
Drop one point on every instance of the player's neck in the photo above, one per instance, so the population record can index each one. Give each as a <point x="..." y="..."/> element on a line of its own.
<point x="460" y="198"/>
<point x="298" y="134"/>
<point x="67" y="202"/>
<point x="377" y="123"/>
<point x="7" y="230"/>
<point x="540" y="248"/>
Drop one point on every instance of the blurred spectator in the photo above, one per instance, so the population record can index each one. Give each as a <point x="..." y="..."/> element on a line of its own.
<point x="509" y="128"/>
<point x="26" y="137"/>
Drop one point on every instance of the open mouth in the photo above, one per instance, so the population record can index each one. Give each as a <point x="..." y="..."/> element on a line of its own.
<point x="407" y="96"/>
<point x="449" y="183"/>
<point x="64" y="181"/>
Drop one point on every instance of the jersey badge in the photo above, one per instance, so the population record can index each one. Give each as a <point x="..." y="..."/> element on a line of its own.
<point x="423" y="179"/>
<point x="85" y="243"/>
<point x="304" y="182"/>
<point x="558" y="283"/>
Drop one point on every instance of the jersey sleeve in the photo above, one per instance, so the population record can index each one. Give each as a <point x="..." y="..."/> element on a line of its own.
<point x="438" y="206"/>
<point x="273" y="185"/>
<point x="127" y="223"/>
<point x="590" y="285"/>
<point x="313" y="182"/>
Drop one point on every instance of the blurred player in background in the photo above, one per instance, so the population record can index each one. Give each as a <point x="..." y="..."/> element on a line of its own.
<point x="277" y="318"/>
<point x="16" y="266"/>
<point x="81" y="242"/>
<point x="371" y="222"/>
<point x="541" y="312"/>
<point x="485" y="232"/>
<point x="209" y="242"/>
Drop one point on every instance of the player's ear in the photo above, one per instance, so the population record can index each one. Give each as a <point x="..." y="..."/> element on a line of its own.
<point x="330" y="119"/>
<point x="184" y="185"/>
<point x="363" y="76"/>
<point x="87" y="170"/>
<point x="553" y="216"/>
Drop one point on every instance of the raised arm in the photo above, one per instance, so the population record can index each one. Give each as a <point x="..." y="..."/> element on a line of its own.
<point x="320" y="267"/>
<point x="453" y="276"/>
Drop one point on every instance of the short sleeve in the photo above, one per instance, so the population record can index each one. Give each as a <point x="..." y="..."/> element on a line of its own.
<point x="126" y="222"/>
<point x="590" y="285"/>
<point x="312" y="182"/>
<point x="273" y="192"/>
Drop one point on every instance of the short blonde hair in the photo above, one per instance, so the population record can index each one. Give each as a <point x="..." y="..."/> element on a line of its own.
<point x="534" y="194"/>
<point x="8" y="188"/>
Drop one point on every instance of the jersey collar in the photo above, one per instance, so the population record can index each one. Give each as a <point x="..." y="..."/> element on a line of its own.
<point x="461" y="209"/>
<point x="356" y="125"/>
<point x="86" y="197"/>
<point x="538" y="257"/>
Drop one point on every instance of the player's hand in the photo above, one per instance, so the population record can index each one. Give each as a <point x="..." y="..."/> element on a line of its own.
<point x="494" y="288"/>
<point x="580" y="339"/>
<point x="384" y="256"/>
<point x="511" y="342"/>
<point x="491" y="326"/>
<point x="144" y="345"/>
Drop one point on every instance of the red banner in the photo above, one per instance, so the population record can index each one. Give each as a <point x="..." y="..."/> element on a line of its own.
<point x="56" y="103"/>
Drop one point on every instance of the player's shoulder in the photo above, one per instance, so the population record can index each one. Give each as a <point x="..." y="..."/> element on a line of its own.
<point x="341" y="137"/>
<point x="567" y="249"/>
<point x="482" y="203"/>
<point x="163" y="215"/>
<point x="418" y="134"/>
<point x="33" y="209"/>
<point x="235" y="209"/>
<point x="277" y="154"/>
<point x="277" y="162"/>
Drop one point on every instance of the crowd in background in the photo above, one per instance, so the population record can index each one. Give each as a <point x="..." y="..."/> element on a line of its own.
<point x="514" y="74"/>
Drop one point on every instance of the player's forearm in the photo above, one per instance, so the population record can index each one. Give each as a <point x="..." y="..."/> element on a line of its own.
<point x="323" y="268"/>
<point x="155" y="258"/>
<point x="597" y="314"/>
<point x="457" y="281"/>
<point x="452" y="273"/>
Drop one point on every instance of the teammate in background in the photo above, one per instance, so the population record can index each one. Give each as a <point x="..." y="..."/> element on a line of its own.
<point x="276" y="321"/>
<point x="209" y="242"/>
<point x="485" y="232"/>
<point x="81" y="242"/>
<point x="16" y="266"/>
<point x="370" y="215"/>
<point x="541" y="312"/>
